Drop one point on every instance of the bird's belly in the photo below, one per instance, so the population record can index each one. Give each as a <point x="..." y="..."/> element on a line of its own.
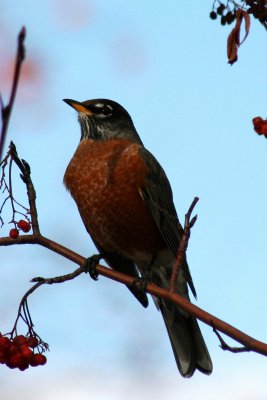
<point x="106" y="190"/>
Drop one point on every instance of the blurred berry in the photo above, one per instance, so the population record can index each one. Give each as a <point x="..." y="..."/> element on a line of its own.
<point x="260" y="125"/>
<point x="220" y="9"/>
<point x="264" y="129"/>
<point x="257" y="122"/>
<point x="223" y="20"/>
<point x="213" y="15"/>
<point x="230" y="17"/>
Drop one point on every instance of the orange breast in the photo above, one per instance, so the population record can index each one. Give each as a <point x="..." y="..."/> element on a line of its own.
<point x="104" y="179"/>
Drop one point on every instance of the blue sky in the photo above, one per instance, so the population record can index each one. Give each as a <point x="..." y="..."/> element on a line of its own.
<point x="165" y="62"/>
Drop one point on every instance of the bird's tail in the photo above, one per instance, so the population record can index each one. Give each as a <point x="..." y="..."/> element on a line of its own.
<point x="189" y="348"/>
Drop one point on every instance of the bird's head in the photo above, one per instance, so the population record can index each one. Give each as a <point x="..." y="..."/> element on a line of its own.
<point x="102" y="119"/>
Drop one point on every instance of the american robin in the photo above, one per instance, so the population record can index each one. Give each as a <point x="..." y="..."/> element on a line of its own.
<point x="126" y="204"/>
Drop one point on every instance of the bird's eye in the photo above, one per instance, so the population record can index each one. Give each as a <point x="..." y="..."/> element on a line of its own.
<point x="106" y="110"/>
<point x="102" y="110"/>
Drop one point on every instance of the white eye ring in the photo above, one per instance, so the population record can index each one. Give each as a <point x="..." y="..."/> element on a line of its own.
<point x="103" y="110"/>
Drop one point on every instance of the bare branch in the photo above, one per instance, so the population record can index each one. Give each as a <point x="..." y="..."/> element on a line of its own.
<point x="26" y="177"/>
<point x="183" y="245"/>
<point x="6" y="110"/>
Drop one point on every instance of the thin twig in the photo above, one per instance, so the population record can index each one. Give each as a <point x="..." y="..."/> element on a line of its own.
<point x="31" y="193"/>
<point x="25" y="316"/>
<point x="6" y="110"/>
<point x="21" y="305"/>
<point x="182" y="246"/>
<point x="59" y="279"/>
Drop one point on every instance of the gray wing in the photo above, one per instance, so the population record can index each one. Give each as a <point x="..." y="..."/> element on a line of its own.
<point x="157" y="194"/>
<point x="126" y="266"/>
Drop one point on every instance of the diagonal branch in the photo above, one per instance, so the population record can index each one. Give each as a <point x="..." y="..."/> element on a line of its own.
<point x="6" y="110"/>
<point x="247" y="341"/>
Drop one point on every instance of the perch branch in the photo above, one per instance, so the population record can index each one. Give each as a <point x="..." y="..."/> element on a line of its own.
<point x="247" y="341"/>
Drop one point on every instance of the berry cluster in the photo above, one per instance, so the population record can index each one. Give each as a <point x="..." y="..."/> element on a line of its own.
<point x="226" y="14"/>
<point x="260" y="126"/>
<point x="25" y="226"/>
<point x="258" y="8"/>
<point x="19" y="352"/>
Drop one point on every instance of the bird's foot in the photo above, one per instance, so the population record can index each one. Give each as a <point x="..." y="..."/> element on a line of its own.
<point x="90" y="264"/>
<point x="140" y="284"/>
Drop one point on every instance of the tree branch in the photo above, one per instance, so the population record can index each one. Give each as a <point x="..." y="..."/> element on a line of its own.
<point x="6" y="110"/>
<point x="248" y="342"/>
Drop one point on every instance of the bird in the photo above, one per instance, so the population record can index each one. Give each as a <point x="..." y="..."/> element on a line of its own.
<point x="126" y="203"/>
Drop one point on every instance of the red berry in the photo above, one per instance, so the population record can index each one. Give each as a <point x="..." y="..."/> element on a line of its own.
<point x="32" y="342"/>
<point x="264" y="128"/>
<point x="38" y="359"/>
<point x="257" y="121"/>
<point x="14" y="360"/>
<point x="20" y="340"/>
<point x="26" y="352"/>
<point x="14" y="233"/>
<point x="10" y="365"/>
<point x="21" y="223"/>
<point x="5" y="343"/>
<point x="3" y="357"/>
<point x="22" y="366"/>
<point x="258" y="130"/>
<point x="260" y="125"/>
<point x="26" y="228"/>
<point x="24" y="225"/>
<point x="13" y="349"/>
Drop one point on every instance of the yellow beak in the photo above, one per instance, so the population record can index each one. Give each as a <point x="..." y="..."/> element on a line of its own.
<point x="79" y="107"/>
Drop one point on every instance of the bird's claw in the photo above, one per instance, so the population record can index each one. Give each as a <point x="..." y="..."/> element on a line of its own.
<point x="140" y="284"/>
<point x="90" y="264"/>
